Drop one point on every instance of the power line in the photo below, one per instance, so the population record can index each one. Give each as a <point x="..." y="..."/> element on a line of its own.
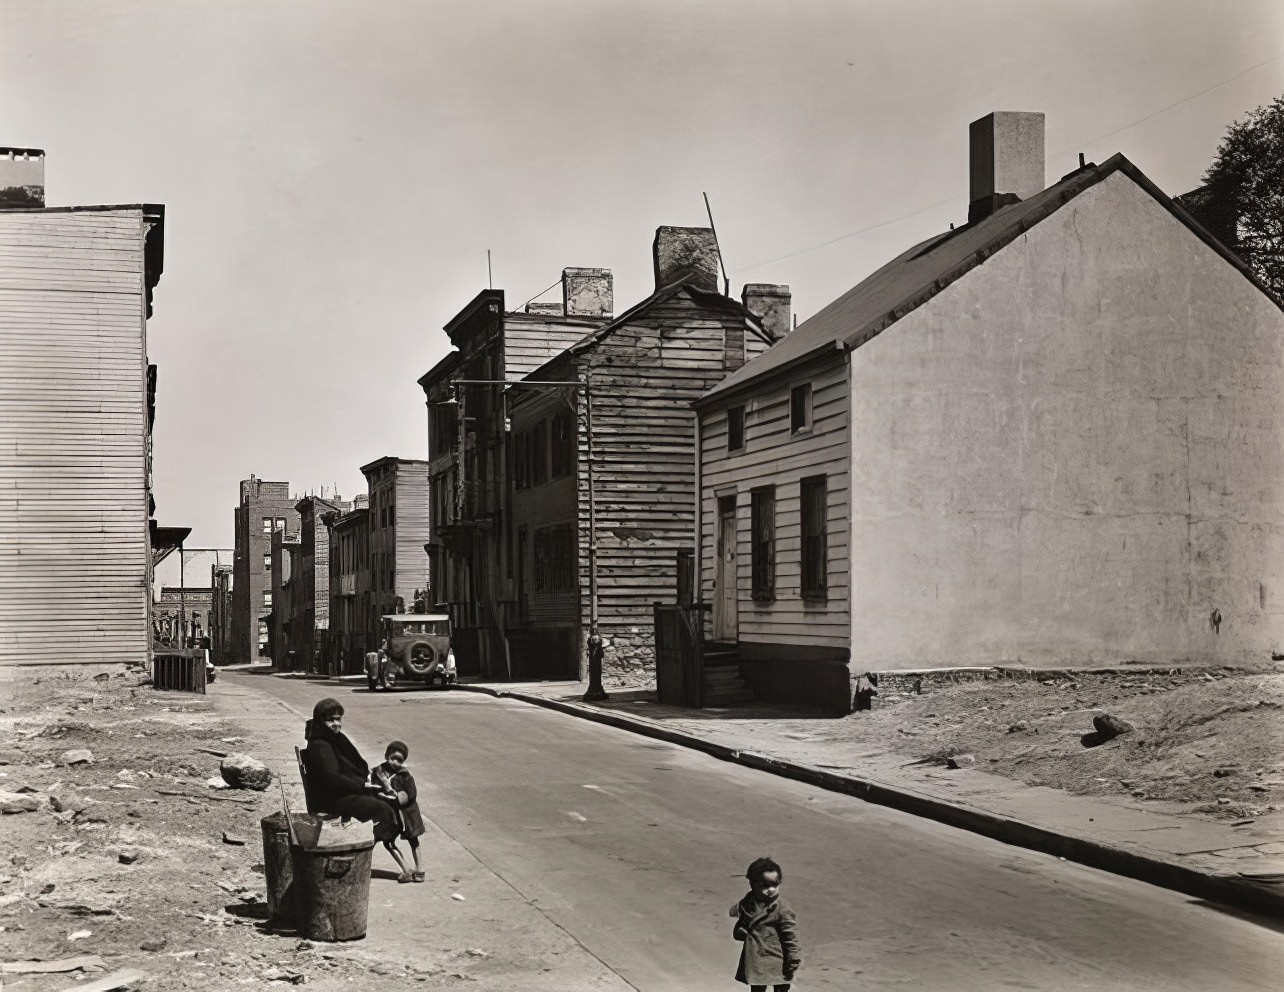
<point x="1061" y="151"/>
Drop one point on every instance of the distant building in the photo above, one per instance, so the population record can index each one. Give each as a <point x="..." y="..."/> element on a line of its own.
<point x="188" y="569"/>
<point x="398" y="521"/>
<point x="283" y="619"/>
<point x="310" y="579"/>
<point x="76" y="411"/>
<point x="265" y="507"/>
<point x="352" y="630"/>
<point x="180" y="617"/>
<point x="221" y="647"/>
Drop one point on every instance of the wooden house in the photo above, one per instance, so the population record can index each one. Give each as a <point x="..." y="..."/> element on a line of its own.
<point x="398" y="521"/>
<point x="1051" y="436"/>
<point x="470" y="461"/>
<point x="77" y="401"/>
<point x="603" y="495"/>
<point x="351" y="632"/>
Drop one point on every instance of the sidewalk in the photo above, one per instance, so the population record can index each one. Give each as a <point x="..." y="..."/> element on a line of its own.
<point x="1240" y="865"/>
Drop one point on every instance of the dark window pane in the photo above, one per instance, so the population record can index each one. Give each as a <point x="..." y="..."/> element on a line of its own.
<point x="763" y="549"/>
<point x="814" y="565"/>
<point x="735" y="428"/>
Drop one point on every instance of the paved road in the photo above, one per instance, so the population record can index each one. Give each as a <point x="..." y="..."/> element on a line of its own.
<point x="636" y="849"/>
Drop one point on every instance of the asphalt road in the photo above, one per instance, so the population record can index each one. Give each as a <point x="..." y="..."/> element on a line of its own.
<point x="637" y="849"/>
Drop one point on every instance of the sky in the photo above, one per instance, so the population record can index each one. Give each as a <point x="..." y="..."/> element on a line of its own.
<point x="334" y="172"/>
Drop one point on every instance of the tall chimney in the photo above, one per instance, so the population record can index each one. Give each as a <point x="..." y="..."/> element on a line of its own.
<point x="587" y="292"/>
<point x="686" y="254"/>
<point x="770" y="304"/>
<point x="22" y="177"/>
<point x="1006" y="153"/>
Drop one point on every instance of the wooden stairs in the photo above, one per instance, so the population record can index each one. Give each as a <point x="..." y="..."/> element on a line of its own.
<point x="723" y="685"/>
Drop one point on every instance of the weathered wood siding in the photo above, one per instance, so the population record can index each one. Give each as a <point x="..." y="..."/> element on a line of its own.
<point x="73" y="438"/>
<point x="773" y="456"/>
<point x="531" y="340"/>
<point x="412" y="530"/>
<point x="644" y="376"/>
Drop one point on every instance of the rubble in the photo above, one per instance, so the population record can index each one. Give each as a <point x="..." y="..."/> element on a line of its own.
<point x="240" y="771"/>
<point x="77" y="756"/>
<point x="19" y="802"/>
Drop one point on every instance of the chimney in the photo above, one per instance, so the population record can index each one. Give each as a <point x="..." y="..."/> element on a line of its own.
<point x="546" y="309"/>
<point x="22" y="177"/>
<point x="770" y="304"/>
<point x="686" y="254"/>
<point x="587" y="292"/>
<point x="1006" y="153"/>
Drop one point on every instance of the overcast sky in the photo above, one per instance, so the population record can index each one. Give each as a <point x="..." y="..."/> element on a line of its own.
<point x="334" y="171"/>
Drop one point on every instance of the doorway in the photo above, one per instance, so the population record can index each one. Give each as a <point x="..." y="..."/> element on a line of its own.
<point x="727" y="589"/>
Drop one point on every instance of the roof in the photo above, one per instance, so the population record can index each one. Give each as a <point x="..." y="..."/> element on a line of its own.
<point x="391" y="460"/>
<point x="913" y="278"/>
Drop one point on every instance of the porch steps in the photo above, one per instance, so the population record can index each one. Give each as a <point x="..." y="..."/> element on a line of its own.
<point x="722" y="685"/>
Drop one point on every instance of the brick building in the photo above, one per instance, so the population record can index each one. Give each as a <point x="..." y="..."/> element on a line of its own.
<point x="265" y="507"/>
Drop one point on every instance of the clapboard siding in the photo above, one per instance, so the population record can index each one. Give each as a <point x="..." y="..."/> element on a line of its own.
<point x="412" y="529"/>
<point x="530" y="341"/>
<point x="73" y="424"/>
<point x="772" y="456"/>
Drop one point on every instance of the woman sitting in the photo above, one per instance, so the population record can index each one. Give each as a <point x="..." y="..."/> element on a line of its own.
<point x="339" y="778"/>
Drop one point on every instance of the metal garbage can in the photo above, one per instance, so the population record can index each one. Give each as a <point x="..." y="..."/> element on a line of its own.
<point x="278" y="869"/>
<point x="332" y="883"/>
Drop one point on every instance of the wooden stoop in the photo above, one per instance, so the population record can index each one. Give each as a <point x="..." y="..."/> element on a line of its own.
<point x="722" y="684"/>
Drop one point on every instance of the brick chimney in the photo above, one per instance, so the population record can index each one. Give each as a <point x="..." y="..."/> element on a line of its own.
<point x="1006" y="154"/>
<point x="22" y="177"/>
<point x="770" y="304"/>
<point x="587" y="292"/>
<point x="686" y="254"/>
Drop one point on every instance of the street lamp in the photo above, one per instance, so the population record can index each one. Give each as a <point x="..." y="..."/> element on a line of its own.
<point x="595" y="693"/>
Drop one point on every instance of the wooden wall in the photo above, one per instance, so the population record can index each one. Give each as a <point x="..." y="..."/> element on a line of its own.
<point x="73" y="438"/>
<point x="773" y="456"/>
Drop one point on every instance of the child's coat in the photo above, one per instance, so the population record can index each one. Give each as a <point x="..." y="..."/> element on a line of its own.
<point x="412" y="823"/>
<point x="770" y="937"/>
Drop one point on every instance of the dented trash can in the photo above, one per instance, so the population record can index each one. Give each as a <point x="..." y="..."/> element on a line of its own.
<point x="278" y="869"/>
<point x="331" y="881"/>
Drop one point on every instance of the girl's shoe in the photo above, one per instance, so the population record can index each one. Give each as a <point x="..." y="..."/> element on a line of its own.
<point x="418" y="876"/>
<point x="404" y="877"/>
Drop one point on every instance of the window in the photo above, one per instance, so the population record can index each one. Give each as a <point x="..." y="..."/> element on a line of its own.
<point x="267" y="597"/>
<point x="520" y="474"/>
<point x="392" y="514"/>
<point x="800" y="408"/>
<point x="814" y="565"/>
<point x="736" y="428"/>
<point x="563" y="446"/>
<point x="554" y="565"/>
<point x="278" y="523"/>
<point x="267" y="561"/>
<point x="267" y="525"/>
<point x="539" y="458"/>
<point x="763" y="548"/>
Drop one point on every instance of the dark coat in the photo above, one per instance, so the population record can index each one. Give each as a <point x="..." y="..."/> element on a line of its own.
<point x="335" y="768"/>
<point x="412" y="822"/>
<point x="770" y="936"/>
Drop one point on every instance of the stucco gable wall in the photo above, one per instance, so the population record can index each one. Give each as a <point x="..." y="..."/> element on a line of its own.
<point x="1073" y="455"/>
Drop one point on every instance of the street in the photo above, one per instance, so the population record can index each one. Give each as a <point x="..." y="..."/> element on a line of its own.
<point x="636" y="849"/>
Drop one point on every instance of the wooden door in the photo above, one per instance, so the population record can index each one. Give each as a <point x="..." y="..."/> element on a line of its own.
<point x="726" y="588"/>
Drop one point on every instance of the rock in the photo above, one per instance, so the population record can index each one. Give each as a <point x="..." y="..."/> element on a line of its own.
<point x="240" y="771"/>
<point x="275" y="974"/>
<point x="80" y="935"/>
<point x="153" y="945"/>
<point x="78" y="756"/>
<point x="15" y="802"/>
<point x="1111" y="726"/>
<point x="960" y="761"/>
<point x="1018" y="727"/>
<point x="1225" y="771"/>
<point x="9" y="756"/>
<point x="457" y="897"/>
<point x="127" y="857"/>
<point x="232" y="839"/>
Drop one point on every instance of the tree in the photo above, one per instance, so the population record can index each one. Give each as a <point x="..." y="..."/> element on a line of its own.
<point x="1242" y="200"/>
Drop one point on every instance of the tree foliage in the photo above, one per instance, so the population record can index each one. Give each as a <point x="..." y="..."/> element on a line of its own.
<point x="1244" y="192"/>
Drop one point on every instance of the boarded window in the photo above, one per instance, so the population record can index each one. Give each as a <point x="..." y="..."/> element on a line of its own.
<point x="800" y="408"/>
<point x="554" y="565"/>
<point x="763" y="549"/>
<point x="539" y="465"/>
<point x="814" y="564"/>
<point x="736" y="428"/>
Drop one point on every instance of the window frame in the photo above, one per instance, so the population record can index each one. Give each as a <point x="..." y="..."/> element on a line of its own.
<point x="762" y="547"/>
<point x="736" y="438"/>
<point x="801" y="411"/>
<point x="813" y="572"/>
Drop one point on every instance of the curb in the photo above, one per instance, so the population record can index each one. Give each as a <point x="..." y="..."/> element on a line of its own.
<point x="1231" y="890"/>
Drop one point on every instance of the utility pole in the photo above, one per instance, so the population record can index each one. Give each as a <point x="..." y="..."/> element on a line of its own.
<point x="596" y="693"/>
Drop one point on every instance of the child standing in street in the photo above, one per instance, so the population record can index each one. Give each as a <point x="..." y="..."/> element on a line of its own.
<point x="771" y="953"/>
<point x="399" y="790"/>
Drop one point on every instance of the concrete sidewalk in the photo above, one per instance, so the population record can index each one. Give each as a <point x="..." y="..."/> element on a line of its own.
<point x="1239" y="865"/>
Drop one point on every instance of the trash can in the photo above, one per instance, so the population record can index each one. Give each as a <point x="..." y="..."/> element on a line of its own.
<point x="332" y="884"/>
<point x="278" y="869"/>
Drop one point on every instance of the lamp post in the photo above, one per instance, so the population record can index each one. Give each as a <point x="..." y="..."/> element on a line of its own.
<point x="595" y="692"/>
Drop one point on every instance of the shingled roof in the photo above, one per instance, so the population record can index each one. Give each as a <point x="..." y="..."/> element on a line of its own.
<point x="910" y="280"/>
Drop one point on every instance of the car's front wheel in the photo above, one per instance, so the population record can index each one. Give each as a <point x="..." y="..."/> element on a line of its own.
<point x="372" y="682"/>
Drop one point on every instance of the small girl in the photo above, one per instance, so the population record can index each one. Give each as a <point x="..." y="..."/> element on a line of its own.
<point x="399" y="789"/>
<point x="770" y="954"/>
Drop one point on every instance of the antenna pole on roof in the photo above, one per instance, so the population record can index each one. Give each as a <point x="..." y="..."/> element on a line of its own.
<point x="726" y="283"/>
<point x="490" y="279"/>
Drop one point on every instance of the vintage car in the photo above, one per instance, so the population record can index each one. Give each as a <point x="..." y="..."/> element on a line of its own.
<point x="416" y="648"/>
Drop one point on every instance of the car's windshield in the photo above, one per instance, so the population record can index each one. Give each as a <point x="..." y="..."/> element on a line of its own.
<point x="440" y="627"/>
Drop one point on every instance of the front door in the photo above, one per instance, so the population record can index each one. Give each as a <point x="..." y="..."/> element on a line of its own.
<point x="725" y="593"/>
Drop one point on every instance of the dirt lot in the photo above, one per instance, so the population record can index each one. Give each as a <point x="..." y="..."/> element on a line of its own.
<point x="1209" y="739"/>
<point x="188" y="908"/>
